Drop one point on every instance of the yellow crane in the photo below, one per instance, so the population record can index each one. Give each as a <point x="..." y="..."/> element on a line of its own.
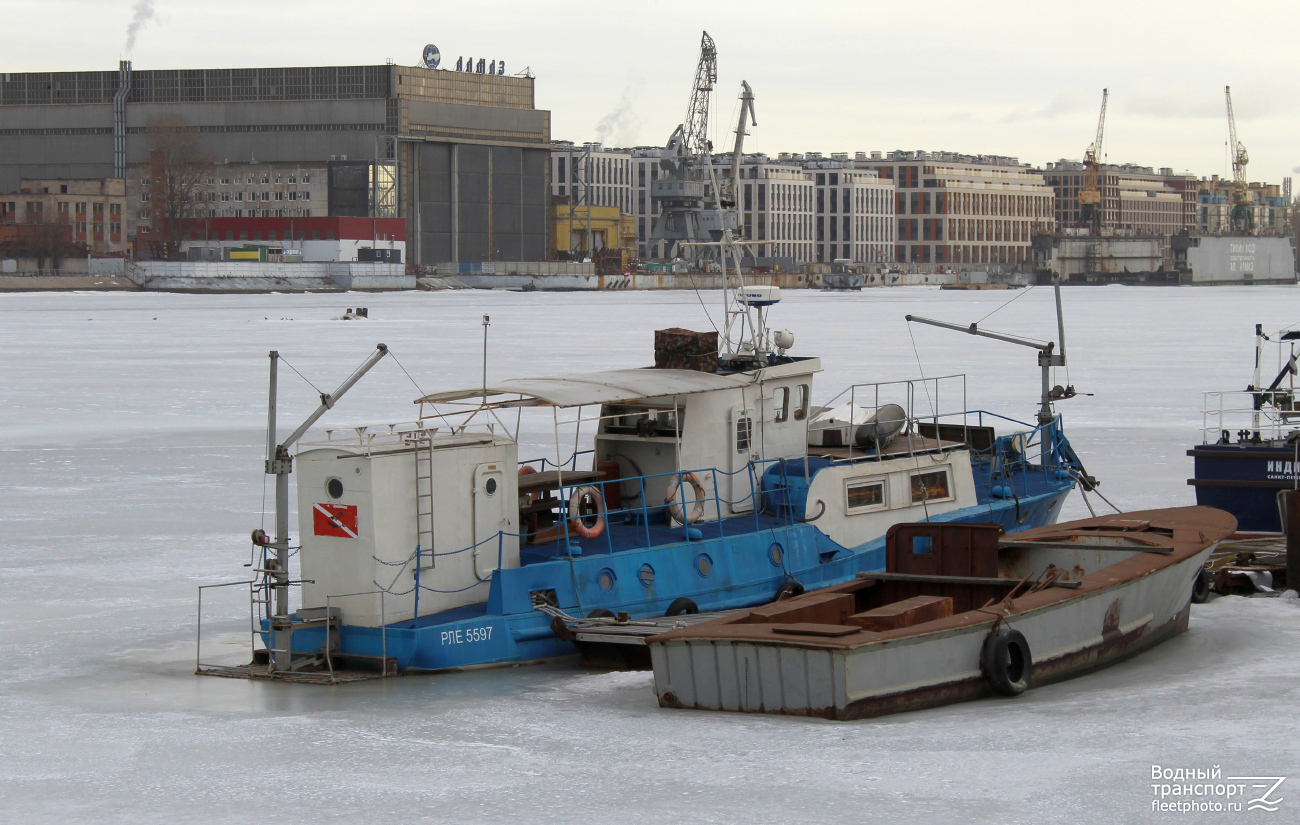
<point x="1091" y="212"/>
<point x="1242" y="214"/>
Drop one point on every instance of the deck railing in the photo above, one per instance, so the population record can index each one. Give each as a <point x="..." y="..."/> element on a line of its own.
<point x="1229" y="416"/>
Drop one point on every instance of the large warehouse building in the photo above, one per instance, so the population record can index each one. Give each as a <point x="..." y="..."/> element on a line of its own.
<point x="463" y="156"/>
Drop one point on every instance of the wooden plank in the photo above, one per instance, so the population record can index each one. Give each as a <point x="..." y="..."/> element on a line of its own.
<point x="912" y="577"/>
<point x="550" y="479"/>
<point x="814" y="629"/>
<point x="1078" y="545"/>
<point x="908" y="612"/>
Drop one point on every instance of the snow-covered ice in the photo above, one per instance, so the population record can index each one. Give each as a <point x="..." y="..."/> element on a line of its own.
<point x="131" y="433"/>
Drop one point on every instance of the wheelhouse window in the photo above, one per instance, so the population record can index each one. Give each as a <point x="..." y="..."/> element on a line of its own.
<point x="865" y="495"/>
<point x="781" y="404"/>
<point x="642" y="421"/>
<point x="931" y="486"/>
<point x="800" y="402"/>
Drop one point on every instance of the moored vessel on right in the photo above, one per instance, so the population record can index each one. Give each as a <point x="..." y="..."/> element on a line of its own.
<point x="1250" y="450"/>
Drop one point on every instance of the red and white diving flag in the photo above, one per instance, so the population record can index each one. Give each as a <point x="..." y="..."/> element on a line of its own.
<point x="335" y="520"/>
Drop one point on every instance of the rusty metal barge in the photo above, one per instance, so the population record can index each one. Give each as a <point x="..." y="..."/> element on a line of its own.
<point x="962" y="611"/>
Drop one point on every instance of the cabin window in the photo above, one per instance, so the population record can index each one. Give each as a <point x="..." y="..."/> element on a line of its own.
<point x="642" y="421"/>
<point x="335" y="488"/>
<point x="800" y="402"/>
<point x="931" y="486"/>
<point x="781" y="404"/>
<point x="865" y="495"/>
<point x="744" y="428"/>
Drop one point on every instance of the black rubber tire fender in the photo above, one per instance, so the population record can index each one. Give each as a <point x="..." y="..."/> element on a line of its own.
<point x="1006" y="662"/>
<point x="1201" y="587"/>
<point x="681" y="605"/>
<point x="789" y="589"/>
<point x="600" y="613"/>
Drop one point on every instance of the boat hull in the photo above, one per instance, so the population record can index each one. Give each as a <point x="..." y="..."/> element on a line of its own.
<point x="1245" y="479"/>
<point x="506" y="630"/>
<point x="1110" y="619"/>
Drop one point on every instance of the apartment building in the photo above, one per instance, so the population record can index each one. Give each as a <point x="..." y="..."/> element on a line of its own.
<point x="854" y="208"/>
<point x="1136" y="199"/>
<point x="963" y="209"/>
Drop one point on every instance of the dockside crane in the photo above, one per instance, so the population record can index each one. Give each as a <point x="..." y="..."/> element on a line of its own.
<point x="1091" y="212"/>
<point x="1242" y="213"/>
<point x="687" y="214"/>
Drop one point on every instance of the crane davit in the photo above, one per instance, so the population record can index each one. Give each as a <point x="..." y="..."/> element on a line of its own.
<point x="1091" y="212"/>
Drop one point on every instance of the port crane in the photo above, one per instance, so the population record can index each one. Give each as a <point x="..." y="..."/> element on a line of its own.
<point x="688" y="214"/>
<point x="1242" y="214"/>
<point x="1091" y="212"/>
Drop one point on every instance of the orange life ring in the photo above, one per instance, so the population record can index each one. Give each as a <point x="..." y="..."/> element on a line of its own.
<point x="576" y="523"/>
<point x="525" y="470"/>
<point x="675" y="509"/>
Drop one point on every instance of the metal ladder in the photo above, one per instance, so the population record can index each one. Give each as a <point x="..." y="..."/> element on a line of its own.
<point x="424" y="498"/>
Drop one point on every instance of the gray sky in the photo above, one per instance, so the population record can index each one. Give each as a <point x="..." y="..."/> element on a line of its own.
<point x="1001" y="77"/>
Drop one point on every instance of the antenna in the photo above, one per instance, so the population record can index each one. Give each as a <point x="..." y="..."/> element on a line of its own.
<point x="486" y="321"/>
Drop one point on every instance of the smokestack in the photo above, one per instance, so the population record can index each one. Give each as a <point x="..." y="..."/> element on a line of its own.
<point x="119" y="118"/>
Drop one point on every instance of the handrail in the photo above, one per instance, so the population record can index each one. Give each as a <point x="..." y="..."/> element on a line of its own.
<point x="198" y="628"/>
<point x="1269" y="414"/>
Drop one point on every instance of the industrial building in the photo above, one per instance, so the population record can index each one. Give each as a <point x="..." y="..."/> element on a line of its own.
<point x="321" y="239"/>
<point x="1269" y="206"/>
<point x="603" y="234"/>
<point x="91" y="210"/>
<point x="592" y="175"/>
<point x="462" y="156"/>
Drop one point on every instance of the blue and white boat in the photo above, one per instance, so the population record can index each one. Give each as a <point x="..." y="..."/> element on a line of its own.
<point x="431" y="545"/>
<point x="1250" y="450"/>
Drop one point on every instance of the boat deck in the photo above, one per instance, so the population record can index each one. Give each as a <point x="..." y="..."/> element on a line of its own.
<point x="899" y="446"/>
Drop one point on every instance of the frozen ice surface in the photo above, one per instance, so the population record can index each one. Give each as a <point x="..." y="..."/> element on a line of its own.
<point x="131" y="433"/>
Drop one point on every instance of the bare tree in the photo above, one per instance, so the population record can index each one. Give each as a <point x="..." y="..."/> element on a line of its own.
<point x="178" y="163"/>
<point x="46" y="241"/>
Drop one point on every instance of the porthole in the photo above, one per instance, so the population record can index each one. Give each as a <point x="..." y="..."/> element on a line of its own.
<point x="334" y="487"/>
<point x="490" y="487"/>
<point x="647" y="575"/>
<point x="775" y="554"/>
<point x="606" y="578"/>
<point x="704" y="564"/>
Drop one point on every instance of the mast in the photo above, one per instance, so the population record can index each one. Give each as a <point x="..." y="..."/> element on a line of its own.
<point x="729" y="246"/>
<point x="1048" y="357"/>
